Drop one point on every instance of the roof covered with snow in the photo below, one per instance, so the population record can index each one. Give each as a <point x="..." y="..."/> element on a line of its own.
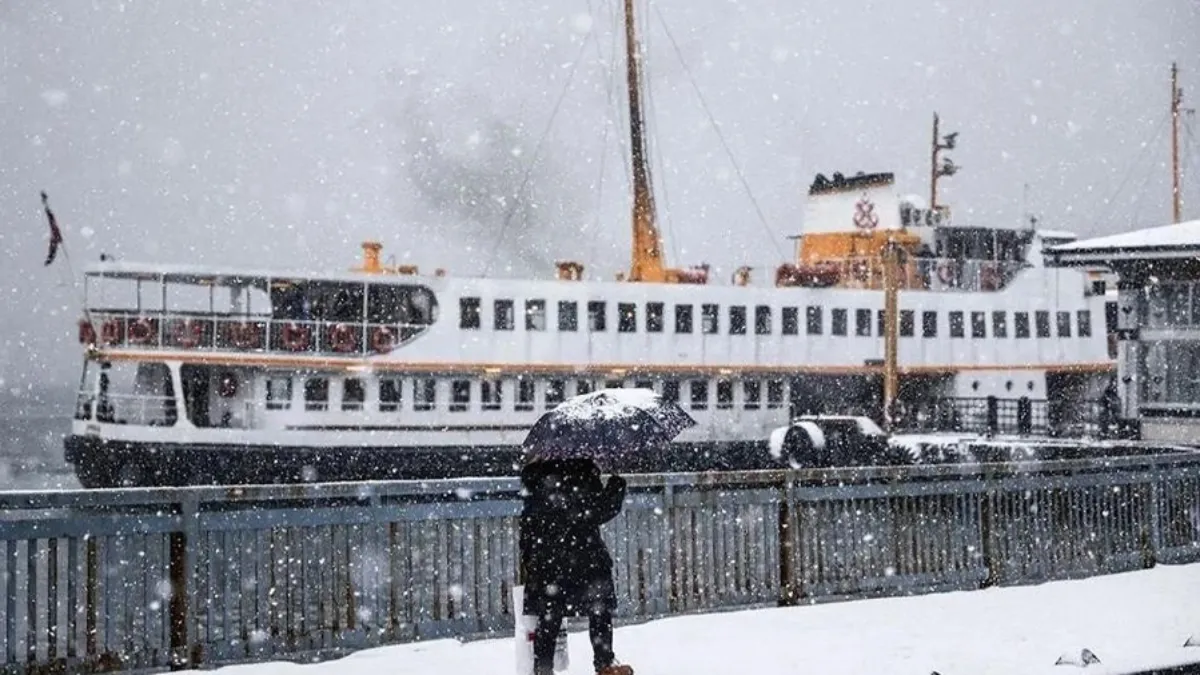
<point x="1180" y="240"/>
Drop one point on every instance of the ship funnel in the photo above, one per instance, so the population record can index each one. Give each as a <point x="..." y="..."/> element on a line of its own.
<point x="371" y="251"/>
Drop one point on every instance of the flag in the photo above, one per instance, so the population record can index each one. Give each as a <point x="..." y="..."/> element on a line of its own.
<point x="55" y="233"/>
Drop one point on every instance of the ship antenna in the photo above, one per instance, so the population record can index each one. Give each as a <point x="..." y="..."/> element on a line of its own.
<point x="946" y="169"/>
<point x="1176" y="103"/>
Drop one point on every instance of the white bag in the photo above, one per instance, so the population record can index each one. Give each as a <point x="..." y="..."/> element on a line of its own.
<point x="525" y="626"/>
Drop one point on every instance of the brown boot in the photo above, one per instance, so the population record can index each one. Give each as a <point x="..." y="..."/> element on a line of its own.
<point x="615" y="670"/>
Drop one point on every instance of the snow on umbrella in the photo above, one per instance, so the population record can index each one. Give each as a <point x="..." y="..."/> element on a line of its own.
<point x="606" y="422"/>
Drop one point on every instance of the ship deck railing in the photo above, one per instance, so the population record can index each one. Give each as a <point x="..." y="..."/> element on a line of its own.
<point x="156" y="410"/>
<point x="928" y="274"/>
<point x="158" y="329"/>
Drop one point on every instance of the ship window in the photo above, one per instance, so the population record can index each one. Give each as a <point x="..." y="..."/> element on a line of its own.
<point x="468" y="313"/>
<point x="1042" y="323"/>
<point x="556" y="391"/>
<point x="1085" y="323"/>
<point x="999" y="324"/>
<point x="425" y="394"/>
<point x="568" y="315"/>
<point x="775" y="393"/>
<point x="353" y="394"/>
<point x="929" y="324"/>
<point x="683" y="318"/>
<point x="460" y="395"/>
<point x="908" y="321"/>
<point x="388" y="304"/>
<point x="752" y="391"/>
<point x="535" y="315"/>
<point x="1064" y="324"/>
<point x="791" y="321"/>
<point x="596" y="319"/>
<point x="978" y="325"/>
<point x="626" y="317"/>
<point x="583" y="387"/>
<point x="389" y="394"/>
<point x="710" y="321"/>
<point x="814" y="318"/>
<point x="724" y="394"/>
<point x="1021" y="324"/>
<point x="490" y="394"/>
<point x="654" y="317"/>
<point x="670" y="391"/>
<point x="525" y="394"/>
<point x="762" y="320"/>
<point x="839" y="321"/>
<point x="279" y="393"/>
<point x="505" y="315"/>
<point x="737" y="320"/>
<point x="881" y="323"/>
<point x="957" y="327"/>
<point x="862" y="322"/>
<point x="316" y="393"/>
<point x="699" y="390"/>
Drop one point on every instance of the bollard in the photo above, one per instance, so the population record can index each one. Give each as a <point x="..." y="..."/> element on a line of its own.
<point x="1024" y="416"/>
<point x="993" y="415"/>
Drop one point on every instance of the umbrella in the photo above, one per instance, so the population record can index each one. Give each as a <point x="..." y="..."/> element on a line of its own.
<point x="606" y="422"/>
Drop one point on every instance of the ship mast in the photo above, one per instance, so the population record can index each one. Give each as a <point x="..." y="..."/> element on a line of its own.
<point x="646" y="262"/>
<point x="1176" y="103"/>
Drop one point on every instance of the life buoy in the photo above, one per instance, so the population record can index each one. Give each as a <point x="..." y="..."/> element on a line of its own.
<point x="110" y="332"/>
<point x="188" y="334"/>
<point x="383" y="339"/>
<point x="243" y="335"/>
<point x="141" y="331"/>
<point x="945" y="273"/>
<point x="989" y="277"/>
<point x="87" y="332"/>
<point x="341" y="338"/>
<point x="294" y="338"/>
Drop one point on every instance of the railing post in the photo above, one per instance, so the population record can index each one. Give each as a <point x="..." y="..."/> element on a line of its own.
<point x="185" y="653"/>
<point x="787" y="574"/>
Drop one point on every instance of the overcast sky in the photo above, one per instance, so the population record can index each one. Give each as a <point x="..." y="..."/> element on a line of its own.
<point x="282" y="134"/>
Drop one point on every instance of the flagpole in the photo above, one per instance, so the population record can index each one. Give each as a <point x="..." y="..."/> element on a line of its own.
<point x="62" y="243"/>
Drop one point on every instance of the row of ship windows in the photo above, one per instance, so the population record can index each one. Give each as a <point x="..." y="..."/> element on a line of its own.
<point x="389" y="394"/>
<point x="503" y="319"/>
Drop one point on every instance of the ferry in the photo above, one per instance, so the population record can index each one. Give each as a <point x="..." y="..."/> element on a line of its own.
<point x="201" y="375"/>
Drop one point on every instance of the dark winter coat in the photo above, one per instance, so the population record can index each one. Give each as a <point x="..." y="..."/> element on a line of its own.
<point x="566" y="566"/>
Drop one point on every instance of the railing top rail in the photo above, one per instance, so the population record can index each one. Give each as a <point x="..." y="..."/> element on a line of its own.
<point x="468" y="488"/>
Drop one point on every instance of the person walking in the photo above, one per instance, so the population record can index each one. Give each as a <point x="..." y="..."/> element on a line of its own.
<point x="566" y="566"/>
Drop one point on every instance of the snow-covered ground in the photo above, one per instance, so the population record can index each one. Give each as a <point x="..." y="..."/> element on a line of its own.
<point x="1131" y="622"/>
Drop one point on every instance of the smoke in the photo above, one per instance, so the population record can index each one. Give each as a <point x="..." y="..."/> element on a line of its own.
<point x="470" y="168"/>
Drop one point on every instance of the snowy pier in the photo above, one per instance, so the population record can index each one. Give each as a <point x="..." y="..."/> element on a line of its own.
<point x="160" y="578"/>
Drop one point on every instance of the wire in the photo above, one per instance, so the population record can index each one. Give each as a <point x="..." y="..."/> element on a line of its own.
<point x="533" y="160"/>
<point x="713" y="122"/>
<point x="1145" y="148"/>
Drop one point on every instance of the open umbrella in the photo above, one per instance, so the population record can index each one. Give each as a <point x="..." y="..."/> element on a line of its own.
<point x="604" y="423"/>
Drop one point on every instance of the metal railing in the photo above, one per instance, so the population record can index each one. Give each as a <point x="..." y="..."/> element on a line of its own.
<point x="158" y="578"/>
<point x="930" y="274"/>
<point x="154" y="410"/>
<point x="163" y="330"/>
<point x="1016" y="416"/>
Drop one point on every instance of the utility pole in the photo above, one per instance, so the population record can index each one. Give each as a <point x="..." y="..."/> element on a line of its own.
<point x="891" y="372"/>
